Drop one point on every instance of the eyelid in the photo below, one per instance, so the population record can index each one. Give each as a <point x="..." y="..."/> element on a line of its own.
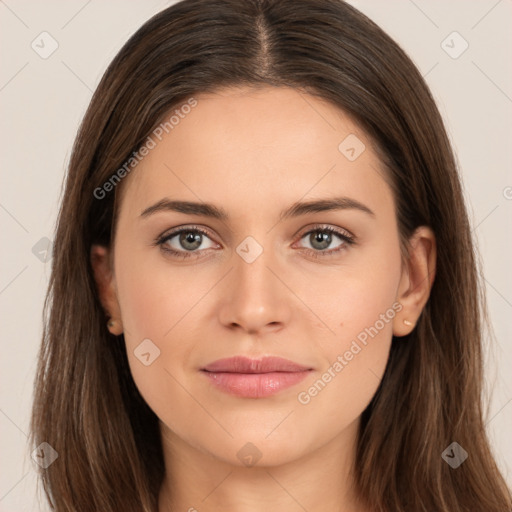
<point x="326" y="227"/>
<point x="185" y="227"/>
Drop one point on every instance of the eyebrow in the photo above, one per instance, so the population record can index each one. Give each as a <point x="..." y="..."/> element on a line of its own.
<point x="295" y="210"/>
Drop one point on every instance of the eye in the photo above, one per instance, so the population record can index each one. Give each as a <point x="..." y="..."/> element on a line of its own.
<point x="184" y="242"/>
<point x="321" y="237"/>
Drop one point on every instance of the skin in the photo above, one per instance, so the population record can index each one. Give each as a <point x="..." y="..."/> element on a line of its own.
<point x="254" y="153"/>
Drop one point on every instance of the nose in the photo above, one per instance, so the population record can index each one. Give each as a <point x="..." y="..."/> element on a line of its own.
<point x="255" y="298"/>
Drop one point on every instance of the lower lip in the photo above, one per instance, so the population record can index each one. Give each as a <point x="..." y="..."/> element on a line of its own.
<point x="255" y="385"/>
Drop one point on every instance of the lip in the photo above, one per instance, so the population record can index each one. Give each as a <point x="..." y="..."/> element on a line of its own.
<point x="254" y="378"/>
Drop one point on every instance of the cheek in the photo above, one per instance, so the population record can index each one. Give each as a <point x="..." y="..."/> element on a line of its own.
<point x="160" y="306"/>
<point x="156" y="296"/>
<point x="359" y="304"/>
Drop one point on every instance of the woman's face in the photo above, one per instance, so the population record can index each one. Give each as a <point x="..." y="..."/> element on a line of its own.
<point x="258" y="282"/>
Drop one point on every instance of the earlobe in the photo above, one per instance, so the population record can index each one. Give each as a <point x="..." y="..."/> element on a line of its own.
<point x="105" y="284"/>
<point x="417" y="280"/>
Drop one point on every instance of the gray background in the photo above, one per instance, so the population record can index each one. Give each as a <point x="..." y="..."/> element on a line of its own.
<point x="42" y="100"/>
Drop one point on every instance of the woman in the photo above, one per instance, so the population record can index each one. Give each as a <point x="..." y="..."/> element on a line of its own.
<point x="264" y="291"/>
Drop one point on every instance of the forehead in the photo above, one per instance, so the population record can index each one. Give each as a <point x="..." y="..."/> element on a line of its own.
<point x="249" y="147"/>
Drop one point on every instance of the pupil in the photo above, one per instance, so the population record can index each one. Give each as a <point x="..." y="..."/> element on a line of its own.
<point x="323" y="238"/>
<point x="194" y="239"/>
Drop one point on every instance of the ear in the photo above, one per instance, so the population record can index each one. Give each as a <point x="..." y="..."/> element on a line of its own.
<point x="106" y="286"/>
<point x="416" y="281"/>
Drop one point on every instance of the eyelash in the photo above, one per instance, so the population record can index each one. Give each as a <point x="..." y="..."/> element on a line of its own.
<point x="345" y="237"/>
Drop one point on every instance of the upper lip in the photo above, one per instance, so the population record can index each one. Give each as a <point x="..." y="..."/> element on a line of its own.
<point x="242" y="364"/>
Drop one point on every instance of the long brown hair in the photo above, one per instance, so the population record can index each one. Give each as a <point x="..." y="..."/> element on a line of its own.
<point x="86" y="405"/>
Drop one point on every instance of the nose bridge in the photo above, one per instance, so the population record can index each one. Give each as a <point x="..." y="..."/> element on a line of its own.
<point x="252" y="274"/>
<point x="255" y="297"/>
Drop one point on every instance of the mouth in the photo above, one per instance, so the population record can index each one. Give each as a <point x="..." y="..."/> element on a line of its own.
<point x="255" y="378"/>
